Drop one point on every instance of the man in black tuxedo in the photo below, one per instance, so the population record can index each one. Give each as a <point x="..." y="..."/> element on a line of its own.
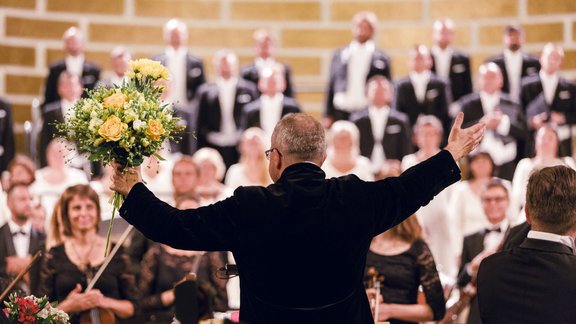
<point x="269" y="108"/>
<point x="534" y="282"/>
<point x="7" y="145"/>
<point x="505" y="124"/>
<point x="19" y="240"/>
<point x="548" y="97"/>
<point x="513" y="63"/>
<point x="307" y="219"/>
<point x="351" y="67"/>
<point x="385" y="136"/>
<point x="421" y="92"/>
<point x="220" y="107"/>
<point x="74" y="63"/>
<point x="477" y="246"/>
<point x="449" y="63"/>
<point x="264" y="45"/>
<point x="69" y="90"/>
<point x="186" y="70"/>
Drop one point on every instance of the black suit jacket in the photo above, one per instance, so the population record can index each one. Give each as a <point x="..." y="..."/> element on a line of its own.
<point x="188" y="138"/>
<point x="7" y="249"/>
<point x="251" y="115"/>
<point x="307" y="219"/>
<point x="530" y="66"/>
<point x="459" y="76"/>
<point x="531" y="283"/>
<point x="435" y="103"/>
<point x="338" y="82"/>
<point x="51" y="115"/>
<point x="90" y="76"/>
<point x="7" y="145"/>
<point x="194" y="73"/>
<point x="210" y="112"/>
<point x="250" y="73"/>
<point x="397" y="141"/>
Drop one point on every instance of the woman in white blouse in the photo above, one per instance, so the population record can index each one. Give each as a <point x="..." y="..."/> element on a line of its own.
<point x="252" y="168"/>
<point x="343" y="153"/>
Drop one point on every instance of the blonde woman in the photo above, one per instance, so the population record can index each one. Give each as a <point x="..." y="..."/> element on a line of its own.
<point x="252" y="168"/>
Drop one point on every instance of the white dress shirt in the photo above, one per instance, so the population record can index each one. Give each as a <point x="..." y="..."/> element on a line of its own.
<point x="378" y="121"/>
<point x="21" y="241"/>
<point x="176" y="64"/>
<point x="228" y="135"/>
<point x="501" y="153"/>
<point x="442" y="59"/>
<point x="420" y="83"/>
<point x="270" y="111"/>
<point x="75" y="65"/>
<point x="359" y="57"/>
<point x="566" y="240"/>
<point x="513" y="62"/>
<point x="549" y="84"/>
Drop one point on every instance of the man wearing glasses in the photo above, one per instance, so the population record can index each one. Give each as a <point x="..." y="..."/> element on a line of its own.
<point x="300" y="244"/>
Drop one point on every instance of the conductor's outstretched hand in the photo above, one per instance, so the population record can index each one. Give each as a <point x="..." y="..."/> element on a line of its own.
<point x="463" y="141"/>
<point x="124" y="179"/>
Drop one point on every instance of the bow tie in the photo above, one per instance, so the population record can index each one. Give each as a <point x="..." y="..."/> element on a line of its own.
<point x="20" y="232"/>
<point x="498" y="230"/>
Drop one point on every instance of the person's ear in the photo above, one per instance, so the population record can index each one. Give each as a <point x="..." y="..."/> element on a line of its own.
<point x="528" y="217"/>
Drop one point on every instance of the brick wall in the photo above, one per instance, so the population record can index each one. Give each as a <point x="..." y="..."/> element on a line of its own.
<point x="307" y="32"/>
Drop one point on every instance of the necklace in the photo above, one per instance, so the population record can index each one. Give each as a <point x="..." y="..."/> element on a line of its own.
<point x="84" y="262"/>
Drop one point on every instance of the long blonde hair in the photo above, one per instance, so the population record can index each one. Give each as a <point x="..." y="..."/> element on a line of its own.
<point x="409" y="230"/>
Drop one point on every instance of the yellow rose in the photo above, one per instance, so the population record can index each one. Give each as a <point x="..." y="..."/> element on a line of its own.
<point x="112" y="129"/>
<point x="116" y="101"/>
<point x="154" y="130"/>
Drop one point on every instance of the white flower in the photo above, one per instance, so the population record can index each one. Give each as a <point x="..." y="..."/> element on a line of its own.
<point x="138" y="125"/>
<point x="95" y="123"/>
<point x="93" y="114"/>
<point x="43" y="313"/>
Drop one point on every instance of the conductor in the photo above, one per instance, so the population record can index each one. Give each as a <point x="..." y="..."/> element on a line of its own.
<point x="300" y="244"/>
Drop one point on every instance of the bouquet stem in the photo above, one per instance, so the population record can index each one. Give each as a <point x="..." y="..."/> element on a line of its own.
<point x="117" y="200"/>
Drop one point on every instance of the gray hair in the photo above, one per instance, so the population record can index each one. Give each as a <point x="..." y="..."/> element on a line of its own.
<point x="300" y="136"/>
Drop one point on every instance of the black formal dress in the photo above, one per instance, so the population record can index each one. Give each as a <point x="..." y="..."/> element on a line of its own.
<point x="7" y="144"/>
<point x="161" y="271"/>
<point x="436" y="101"/>
<point x="210" y="116"/>
<point x="471" y="106"/>
<point x="250" y="73"/>
<point x="531" y="283"/>
<point x="403" y="275"/>
<point x="397" y="141"/>
<point x="338" y="82"/>
<point x="530" y="66"/>
<point x="59" y="276"/>
<point x="7" y="249"/>
<point x="90" y="76"/>
<point x="287" y="237"/>
<point x="460" y="75"/>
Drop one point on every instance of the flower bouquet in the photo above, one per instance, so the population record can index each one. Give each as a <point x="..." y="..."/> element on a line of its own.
<point x="33" y="310"/>
<point x="125" y="123"/>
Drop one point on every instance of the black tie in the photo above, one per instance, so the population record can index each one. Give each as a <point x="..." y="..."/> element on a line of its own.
<point x="488" y="230"/>
<point x="20" y="232"/>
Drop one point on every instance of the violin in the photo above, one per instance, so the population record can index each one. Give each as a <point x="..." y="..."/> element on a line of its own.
<point x="101" y="315"/>
<point x="22" y="273"/>
<point x="375" y="283"/>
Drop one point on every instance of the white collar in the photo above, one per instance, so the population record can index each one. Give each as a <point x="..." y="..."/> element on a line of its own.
<point x="26" y="228"/>
<point x="367" y="45"/>
<point x="563" y="239"/>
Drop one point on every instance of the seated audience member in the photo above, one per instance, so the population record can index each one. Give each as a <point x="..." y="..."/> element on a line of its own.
<point x="402" y="257"/>
<point x="534" y="282"/>
<point x="422" y="92"/>
<point x="69" y="266"/>
<point x="351" y="66"/>
<point x="54" y="178"/>
<point x="272" y="105"/>
<point x="343" y="153"/>
<point x="184" y="177"/>
<point x="506" y="132"/>
<point x="20" y="240"/>
<point x="252" y="169"/>
<point x="74" y="64"/>
<point x="163" y="267"/>
<point x="546" y="148"/>
<point x="211" y="170"/>
<point x="465" y="207"/>
<point x="437" y="229"/>
<point x="264" y="46"/>
<point x="384" y="132"/>
<point x="220" y="107"/>
<point x="477" y="246"/>
<point x="21" y="169"/>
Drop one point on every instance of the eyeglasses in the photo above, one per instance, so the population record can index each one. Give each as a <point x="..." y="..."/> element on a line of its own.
<point x="268" y="152"/>
<point x="488" y="200"/>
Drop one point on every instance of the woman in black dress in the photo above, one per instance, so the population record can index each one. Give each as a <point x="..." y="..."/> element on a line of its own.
<point x="405" y="262"/>
<point x="69" y="265"/>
